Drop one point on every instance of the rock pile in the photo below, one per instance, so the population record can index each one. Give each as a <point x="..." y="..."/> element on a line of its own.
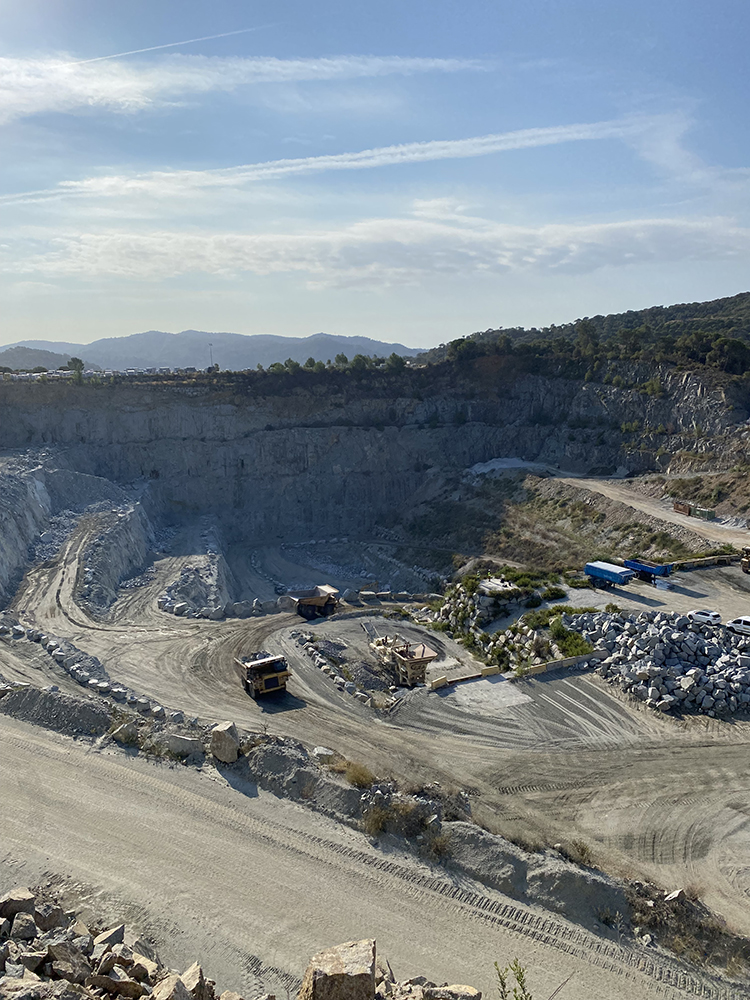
<point x="330" y="665"/>
<point x="464" y="614"/>
<point x="47" y="954"/>
<point x="84" y="668"/>
<point x="352" y="971"/>
<point x="200" y="591"/>
<point x="669" y="662"/>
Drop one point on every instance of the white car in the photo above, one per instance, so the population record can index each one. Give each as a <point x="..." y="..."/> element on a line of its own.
<point x="704" y="617"/>
<point x="740" y="626"/>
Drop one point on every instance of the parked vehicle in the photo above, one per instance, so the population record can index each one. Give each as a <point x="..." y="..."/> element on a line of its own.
<point x="604" y="574"/>
<point x="745" y="560"/>
<point x="705" y="617"/>
<point x="740" y="626"/>
<point x="647" y="570"/>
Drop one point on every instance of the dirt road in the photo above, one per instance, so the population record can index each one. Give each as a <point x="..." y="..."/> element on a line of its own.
<point x="251" y="885"/>
<point x="567" y="760"/>
<point x="618" y="490"/>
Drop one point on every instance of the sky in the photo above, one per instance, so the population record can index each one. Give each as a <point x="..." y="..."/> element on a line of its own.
<point x="408" y="171"/>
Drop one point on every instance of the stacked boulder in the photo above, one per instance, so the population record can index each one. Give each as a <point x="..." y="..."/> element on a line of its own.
<point x="47" y="954"/>
<point x="84" y="668"/>
<point x="669" y="662"/>
<point x="329" y="666"/>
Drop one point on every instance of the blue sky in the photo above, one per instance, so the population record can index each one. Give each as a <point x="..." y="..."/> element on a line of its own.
<point x="406" y="171"/>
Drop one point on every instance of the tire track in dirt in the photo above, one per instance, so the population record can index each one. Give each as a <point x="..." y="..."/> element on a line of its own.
<point x="426" y="886"/>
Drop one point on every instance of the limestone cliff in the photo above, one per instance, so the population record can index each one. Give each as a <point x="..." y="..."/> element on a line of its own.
<point x="283" y="457"/>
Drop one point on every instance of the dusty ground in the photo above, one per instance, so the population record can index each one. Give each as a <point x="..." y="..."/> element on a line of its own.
<point x="620" y="490"/>
<point x="546" y="760"/>
<point x="251" y="886"/>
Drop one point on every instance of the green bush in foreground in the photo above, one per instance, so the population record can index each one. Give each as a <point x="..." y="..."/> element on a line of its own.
<point x="569" y="643"/>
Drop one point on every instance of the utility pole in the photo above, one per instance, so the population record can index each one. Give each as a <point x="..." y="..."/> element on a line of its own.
<point x="211" y="353"/>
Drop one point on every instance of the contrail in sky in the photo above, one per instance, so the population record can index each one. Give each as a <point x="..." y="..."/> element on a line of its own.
<point x="169" y="45"/>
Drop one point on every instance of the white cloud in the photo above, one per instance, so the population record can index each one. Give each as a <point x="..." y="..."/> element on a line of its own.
<point x="40" y="86"/>
<point x="182" y="183"/>
<point x="383" y="252"/>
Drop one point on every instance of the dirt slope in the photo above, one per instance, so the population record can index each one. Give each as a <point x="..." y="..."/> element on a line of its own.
<point x="250" y="885"/>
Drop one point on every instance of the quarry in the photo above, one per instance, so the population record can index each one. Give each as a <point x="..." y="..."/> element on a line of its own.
<point x="475" y="753"/>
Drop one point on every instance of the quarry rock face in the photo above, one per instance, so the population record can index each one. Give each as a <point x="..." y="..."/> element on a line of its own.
<point x="346" y="972"/>
<point x="336" y="454"/>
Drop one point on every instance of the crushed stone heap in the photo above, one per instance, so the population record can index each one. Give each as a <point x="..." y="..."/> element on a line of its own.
<point x="669" y="662"/>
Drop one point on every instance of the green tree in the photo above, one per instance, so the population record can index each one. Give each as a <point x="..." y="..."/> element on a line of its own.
<point x="341" y="361"/>
<point x="395" y="363"/>
<point x="75" y="365"/>
<point x="310" y="363"/>
<point x="291" y="365"/>
<point x="360" y="363"/>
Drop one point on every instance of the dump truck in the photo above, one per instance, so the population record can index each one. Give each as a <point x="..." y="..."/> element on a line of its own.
<point x="409" y="659"/>
<point x="745" y="559"/>
<point x="264" y="675"/>
<point x="604" y="574"/>
<point x="320" y="601"/>
<point x="647" y="570"/>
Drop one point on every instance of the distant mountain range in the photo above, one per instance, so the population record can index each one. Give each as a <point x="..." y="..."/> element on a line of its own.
<point x="195" y="349"/>
<point x="28" y="358"/>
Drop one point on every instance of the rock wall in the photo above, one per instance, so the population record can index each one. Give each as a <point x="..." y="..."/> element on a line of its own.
<point x="120" y="550"/>
<point x="331" y="455"/>
<point x="25" y="508"/>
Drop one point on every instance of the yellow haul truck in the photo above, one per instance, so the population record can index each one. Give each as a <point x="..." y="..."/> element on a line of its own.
<point x="265" y="675"/>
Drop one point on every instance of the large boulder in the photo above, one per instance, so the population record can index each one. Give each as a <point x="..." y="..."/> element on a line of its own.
<point x="345" y="972"/>
<point x="182" y="746"/>
<point x="225" y="742"/>
<point x="171" y="988"/>
<point x="126" y="734"/>
<point x="48" y="916"/>
<point x="68" y="962"/>
<point x="195" y="983"/>
<point x="24" y="927"/>
<point x="18" y="900"/>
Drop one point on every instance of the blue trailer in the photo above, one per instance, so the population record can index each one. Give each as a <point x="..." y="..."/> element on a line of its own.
<point x="647" y="570"/>
<point x="604" y="574"/>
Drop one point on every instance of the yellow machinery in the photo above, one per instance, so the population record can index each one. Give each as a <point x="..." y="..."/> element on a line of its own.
<point x="409" y="660"/>
<point x="745" y="560"/>
<point x="266" y="675"/>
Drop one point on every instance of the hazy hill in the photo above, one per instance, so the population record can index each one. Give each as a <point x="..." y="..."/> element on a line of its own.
<point x="28" y="357"/>
<point x="190" y="348"/>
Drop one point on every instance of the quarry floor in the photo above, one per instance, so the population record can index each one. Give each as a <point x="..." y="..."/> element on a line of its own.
<point x="250" y="885"/>
<point x="544" y="760"/>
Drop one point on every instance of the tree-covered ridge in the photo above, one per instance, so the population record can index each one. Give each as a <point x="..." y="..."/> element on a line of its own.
<point x="711" y="334"/>
<point x="714" y="333"/>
